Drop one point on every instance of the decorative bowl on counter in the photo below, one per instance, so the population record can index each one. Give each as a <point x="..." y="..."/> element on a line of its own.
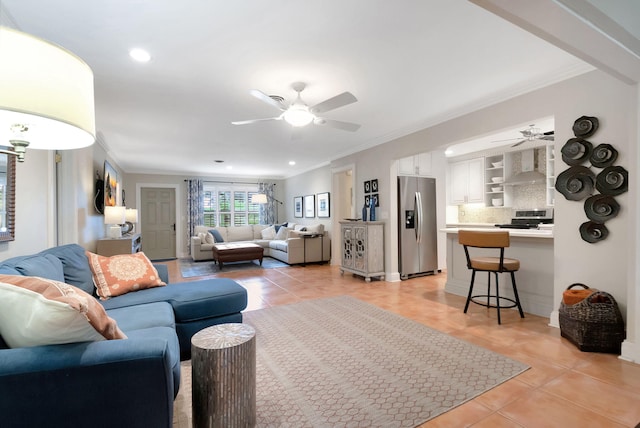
<point x="496" y="202"/>
<point x="496" y="189"/>
<point x="497" y="179"/>
<point x="497" y="164"/>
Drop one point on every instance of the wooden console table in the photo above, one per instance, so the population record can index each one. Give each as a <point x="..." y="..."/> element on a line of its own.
<point x="128" y="244"/>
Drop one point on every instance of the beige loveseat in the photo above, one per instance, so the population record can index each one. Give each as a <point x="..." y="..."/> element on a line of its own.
<point x="290" y="246"/>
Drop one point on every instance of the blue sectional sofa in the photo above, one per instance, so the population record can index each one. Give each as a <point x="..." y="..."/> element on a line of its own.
<point x="110" y="383"/>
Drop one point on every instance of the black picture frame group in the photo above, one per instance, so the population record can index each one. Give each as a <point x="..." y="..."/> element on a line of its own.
<point x="371" y="191"/>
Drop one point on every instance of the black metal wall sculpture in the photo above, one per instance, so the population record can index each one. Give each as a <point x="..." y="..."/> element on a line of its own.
<point x="578" y="182"/>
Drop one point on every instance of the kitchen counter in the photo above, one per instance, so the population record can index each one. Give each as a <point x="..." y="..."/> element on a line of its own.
<point x="534" y="249"/>
<point x="521" y="233"/>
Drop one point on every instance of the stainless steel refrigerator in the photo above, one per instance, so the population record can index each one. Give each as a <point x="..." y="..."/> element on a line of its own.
<point x="417" y="234"/>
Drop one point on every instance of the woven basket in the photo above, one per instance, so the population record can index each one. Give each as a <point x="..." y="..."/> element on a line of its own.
<point x="594" y="324"/>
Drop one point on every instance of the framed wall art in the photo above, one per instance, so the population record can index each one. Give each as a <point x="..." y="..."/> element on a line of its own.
<point x="310" y="206"/>
<point x="374" y="186"/>
<point x="323" y="204"/>
<point x="297" y="206"/>
<point x="110" y="185"/>
<point x="367" y="186"/>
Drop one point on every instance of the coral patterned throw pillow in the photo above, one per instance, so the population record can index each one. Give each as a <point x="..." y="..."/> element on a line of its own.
<point x="122" y="274"/>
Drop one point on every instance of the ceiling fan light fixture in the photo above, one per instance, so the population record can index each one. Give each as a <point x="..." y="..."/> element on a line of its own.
<point x="298" y="115"/>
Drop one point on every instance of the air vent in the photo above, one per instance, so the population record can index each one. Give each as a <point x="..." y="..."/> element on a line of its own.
<point x="277" y="98"/>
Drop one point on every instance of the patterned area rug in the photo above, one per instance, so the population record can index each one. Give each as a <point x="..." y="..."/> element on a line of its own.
<point x="190" y="268"/>
<point x="341" y="362"/>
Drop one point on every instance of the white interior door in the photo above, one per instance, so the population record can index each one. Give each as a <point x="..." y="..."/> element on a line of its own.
<point x="158" y="215"/>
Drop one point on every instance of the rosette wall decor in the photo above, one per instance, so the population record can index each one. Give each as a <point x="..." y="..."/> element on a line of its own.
<point x="576" y="151"/>
<point x="585" y="126"/>
<point x="603" y="155"/>
<point x="579" y="181"/>
<point x="600" y="208"/>
<point x="576" y="183"/>
<point x="593" y="232"/>
<point x="613" y="180"/>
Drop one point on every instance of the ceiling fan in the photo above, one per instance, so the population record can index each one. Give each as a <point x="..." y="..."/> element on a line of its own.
<point x="299" y="114"/>
<point x="530" y="134"/>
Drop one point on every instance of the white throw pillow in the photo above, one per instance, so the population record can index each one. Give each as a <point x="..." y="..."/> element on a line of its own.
<point x="268" y="233"/>
<point x="203" y="237"/>
<point x="208" y="238"/>
<point x="37" y="311"/>
<point x="283" y="233"/>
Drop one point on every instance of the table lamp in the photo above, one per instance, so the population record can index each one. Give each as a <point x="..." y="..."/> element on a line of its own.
<point x="114" y="216"/>
<point x="131" y="218"/>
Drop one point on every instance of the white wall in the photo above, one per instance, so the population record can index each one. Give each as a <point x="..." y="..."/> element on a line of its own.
<point x="309" y="183"/>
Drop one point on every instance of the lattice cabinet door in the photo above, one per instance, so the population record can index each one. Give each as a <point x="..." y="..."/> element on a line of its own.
<point x="360" y="250"/>
<point x="347" y="246"/>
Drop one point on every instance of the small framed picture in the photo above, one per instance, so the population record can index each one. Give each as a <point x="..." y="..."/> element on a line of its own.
<point x="366" y="200"/>
<point x="367" y="186"/>
<point x="297" y="206"/>
<point x="374" y="186"/>
<point x="323" y="204"/>
<point x="375" y="200"/>
<point x="310" y="206"/>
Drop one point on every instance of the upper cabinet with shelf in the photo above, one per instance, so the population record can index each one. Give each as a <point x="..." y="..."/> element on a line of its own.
<point x="494" y="176"/>
<point x="551" y="174"/>
<point x="466" y="181"/>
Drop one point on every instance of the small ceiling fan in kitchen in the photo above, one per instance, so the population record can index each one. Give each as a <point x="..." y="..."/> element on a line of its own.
<point x="530" y="134"/>
<point x="298" y="114"/>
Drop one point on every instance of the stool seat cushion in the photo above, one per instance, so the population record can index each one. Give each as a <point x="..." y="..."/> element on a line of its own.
<point x="493" y="264"/>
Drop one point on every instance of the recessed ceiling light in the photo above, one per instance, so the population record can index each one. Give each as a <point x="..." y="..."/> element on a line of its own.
<point x="139" y="55"/>
<point x="292" y="163"/>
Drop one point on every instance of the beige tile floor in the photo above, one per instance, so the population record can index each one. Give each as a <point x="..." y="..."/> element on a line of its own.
<point x="564" y="388"/>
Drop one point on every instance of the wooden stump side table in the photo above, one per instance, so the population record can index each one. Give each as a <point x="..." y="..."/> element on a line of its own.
<point x="223" y="364"/>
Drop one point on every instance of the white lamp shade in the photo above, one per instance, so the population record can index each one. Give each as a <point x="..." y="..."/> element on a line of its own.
<point x="259" y="198"/>
<point x="114" y="215"/>
<point x="131" y="215"/>
<point x="47" y="88"/>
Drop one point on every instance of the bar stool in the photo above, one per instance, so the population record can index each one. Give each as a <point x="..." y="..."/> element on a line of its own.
<point x="493" y="240"/>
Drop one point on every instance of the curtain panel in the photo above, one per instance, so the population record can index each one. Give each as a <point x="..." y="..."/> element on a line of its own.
<point x="268" y="211"/>
<point x="195" y="208"/>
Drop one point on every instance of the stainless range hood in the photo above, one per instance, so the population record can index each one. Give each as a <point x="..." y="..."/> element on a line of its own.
<point x="530" y="173"/>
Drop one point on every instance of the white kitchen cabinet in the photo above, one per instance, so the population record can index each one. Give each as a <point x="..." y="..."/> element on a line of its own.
<point x="415" y="165"/>
<point x="363" y="248"/>
<point x="466" y="180"/>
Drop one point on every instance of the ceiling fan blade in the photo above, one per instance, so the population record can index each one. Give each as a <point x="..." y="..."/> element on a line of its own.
<point x="345" y="126"/>
<point x="267" y="99"/>
<point x="333" y="103"/>
<point x="519" y="142"/>
<point x="508" y="139"/>
<point x="247" y="122"/>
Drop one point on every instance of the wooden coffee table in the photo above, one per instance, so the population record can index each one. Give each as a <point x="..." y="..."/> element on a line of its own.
<point x="237" y="252"/>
